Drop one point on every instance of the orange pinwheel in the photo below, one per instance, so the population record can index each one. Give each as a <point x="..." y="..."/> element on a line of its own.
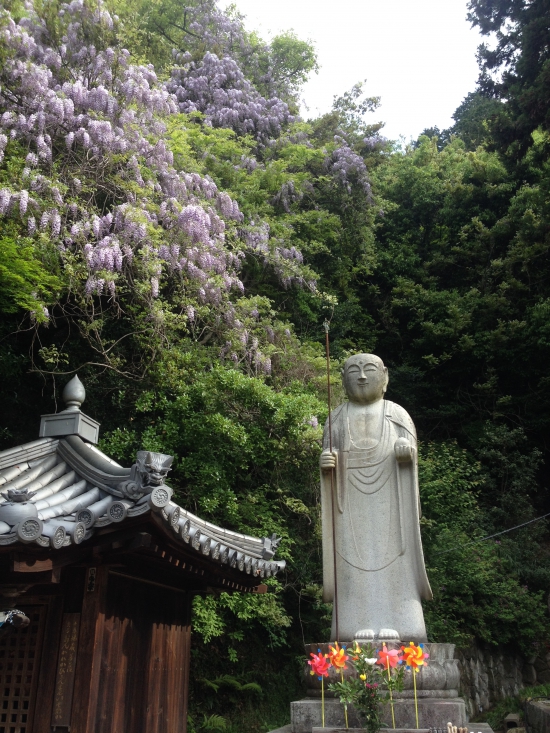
<point x="319" y="664"/>
<point x="414" y="656"/>
<point x="338" y="656"/>
<point x="389" y="657"/>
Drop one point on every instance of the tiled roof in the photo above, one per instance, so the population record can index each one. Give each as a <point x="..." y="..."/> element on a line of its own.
<point x="55" y="492"/>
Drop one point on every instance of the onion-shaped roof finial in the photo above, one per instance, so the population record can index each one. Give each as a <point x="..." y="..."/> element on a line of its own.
<point x="74" y="394"/>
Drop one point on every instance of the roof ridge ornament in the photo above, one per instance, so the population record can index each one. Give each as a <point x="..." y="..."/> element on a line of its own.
<point x="73" y="394"/>
<point x="147" y="476"/>
<point x="71" y="420"/>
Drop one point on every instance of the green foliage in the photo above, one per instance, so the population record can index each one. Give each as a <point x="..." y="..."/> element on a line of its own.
<point x="493" y="605"/>
<point x="516" y="68"/>
<point x="213" y="722"/>
<point x="473" y="120"/>
<point x="292" y="61"/>
<point x="450" y="485"/>
<point x="227" y="680"/>
<point x="348" y="118"/>
<point x="29" y="268"/>
<point x="25" y="282"/>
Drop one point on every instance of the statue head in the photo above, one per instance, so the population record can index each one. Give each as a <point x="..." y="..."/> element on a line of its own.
<point x="365" y="378"/>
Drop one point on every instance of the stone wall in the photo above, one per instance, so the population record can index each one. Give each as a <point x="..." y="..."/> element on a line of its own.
<point x="489" y="674"/>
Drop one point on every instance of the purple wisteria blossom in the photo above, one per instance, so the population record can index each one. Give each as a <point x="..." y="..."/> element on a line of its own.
<point x="97" y="113"/>
<point x="99" y="180"/>
<point x="347" y="167"/>
<point x="375" y="142"/>
<point x="218" y="88"/>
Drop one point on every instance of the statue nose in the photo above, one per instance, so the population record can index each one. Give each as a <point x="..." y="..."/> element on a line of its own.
<point x="362" y="380"/>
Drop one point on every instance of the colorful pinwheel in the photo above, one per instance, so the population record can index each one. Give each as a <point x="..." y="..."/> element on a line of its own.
<point x="319" y="664"/>
<point x="338" y="657"/>
<point x="389" y="657"/>
<point x="414" y="656"/>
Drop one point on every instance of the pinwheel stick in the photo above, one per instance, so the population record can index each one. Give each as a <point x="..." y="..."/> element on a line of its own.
<point x="323" y="700"/>
<point x="415" y="698"/>
<point x="391" y="696"/>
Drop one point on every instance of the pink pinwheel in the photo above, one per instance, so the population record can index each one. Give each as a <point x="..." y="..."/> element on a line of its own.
<point x="389" y="657"/>
<point x="319" y="664"/>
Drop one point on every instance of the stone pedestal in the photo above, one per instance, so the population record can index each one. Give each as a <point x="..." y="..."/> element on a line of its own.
<point x="437" y="695"/>
<point x="386" y="730"/>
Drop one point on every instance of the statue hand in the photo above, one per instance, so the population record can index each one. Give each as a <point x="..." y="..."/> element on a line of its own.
<point x="404" y="451"/>
<point x="328" y="460"/>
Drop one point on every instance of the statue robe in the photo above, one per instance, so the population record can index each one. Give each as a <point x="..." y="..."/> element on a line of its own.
<point x="381" y="576"/>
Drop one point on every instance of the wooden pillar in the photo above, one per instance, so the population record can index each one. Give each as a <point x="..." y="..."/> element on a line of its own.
<point x="187" y="661"/>
<point x="49" y="654"/>
<point x="90" y="642"/>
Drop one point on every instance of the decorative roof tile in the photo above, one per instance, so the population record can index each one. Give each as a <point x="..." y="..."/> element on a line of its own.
<point x="55" y="492"/>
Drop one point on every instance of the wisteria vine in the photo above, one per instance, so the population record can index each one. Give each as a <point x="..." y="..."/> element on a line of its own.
<point x="99" y="180"/>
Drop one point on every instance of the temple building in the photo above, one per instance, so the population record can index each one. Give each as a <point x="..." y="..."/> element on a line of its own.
<point x="98" y="568"/>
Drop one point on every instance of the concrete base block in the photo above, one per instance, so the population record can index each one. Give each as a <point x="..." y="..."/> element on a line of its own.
<point x="472" y="728"/>
<point x="483" y="728"/>
<point x="306" y="714"/>
<point x="356" y="730"/>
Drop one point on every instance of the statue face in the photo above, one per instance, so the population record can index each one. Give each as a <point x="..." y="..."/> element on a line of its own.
<point x="365" y="378"/>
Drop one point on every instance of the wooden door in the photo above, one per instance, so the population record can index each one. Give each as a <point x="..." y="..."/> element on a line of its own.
<point x="144" y="659"/>
<point x="20" y="653"/>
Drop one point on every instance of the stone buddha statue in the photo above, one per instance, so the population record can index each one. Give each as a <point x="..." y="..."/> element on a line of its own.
<point x="375" y="507"/>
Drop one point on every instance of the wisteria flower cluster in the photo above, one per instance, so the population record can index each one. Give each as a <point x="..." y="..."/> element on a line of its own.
<point x="99" y="180"/>
<point x="375" y="142"/>
<point x="218" y="88"/>
<point x="347" y="167"/>
<point x="224" y="34"/>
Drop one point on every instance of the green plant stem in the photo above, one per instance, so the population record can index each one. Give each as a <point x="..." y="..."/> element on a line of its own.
<point x="391" y="696"/>
<point x="415" y="698"/>
<point x="345" y="705"/>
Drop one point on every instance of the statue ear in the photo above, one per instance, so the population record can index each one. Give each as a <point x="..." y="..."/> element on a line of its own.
<point x="387" y="379"/>
<point x="168" y="462"/>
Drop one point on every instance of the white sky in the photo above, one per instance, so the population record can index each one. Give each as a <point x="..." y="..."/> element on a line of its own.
<point x="417" y="55"/>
